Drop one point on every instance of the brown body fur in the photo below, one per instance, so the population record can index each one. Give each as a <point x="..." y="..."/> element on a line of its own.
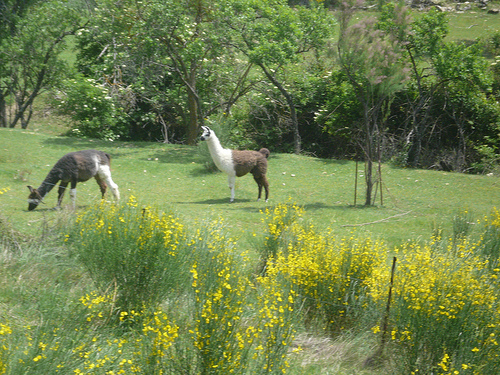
<point x="254" y="162"/>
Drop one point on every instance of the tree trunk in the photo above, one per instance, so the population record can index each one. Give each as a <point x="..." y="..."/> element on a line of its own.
<point x="297" y="143"/>
<point x="192" y="133"/>
<point x="3" y="111"/>
<point x="39" y="81"/>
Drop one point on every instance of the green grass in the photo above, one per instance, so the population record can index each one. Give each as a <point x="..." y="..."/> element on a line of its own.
<point x="174" y="177"/>
<point x="471" y="25"/>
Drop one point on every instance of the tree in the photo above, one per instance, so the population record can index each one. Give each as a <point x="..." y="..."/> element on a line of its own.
<point x="177" y="65"/>
<point x="31" y="54"/>
<point x="272" y="35"/>
<point x="448" y="90"/>
<point x="371" y="59"/>
<point x="11" y="11"/>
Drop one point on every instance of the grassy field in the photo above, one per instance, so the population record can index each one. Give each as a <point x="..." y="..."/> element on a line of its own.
<point x="42" y="280"/>
<point x="173" y="177"/>
<point x="468" y="26"/>
<point x="39" y="283"/>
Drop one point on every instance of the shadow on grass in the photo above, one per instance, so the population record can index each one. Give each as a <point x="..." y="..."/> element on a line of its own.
<point x="177" y="154"/>
<point x="54" y="208"/>
<point x="79" y="143"/>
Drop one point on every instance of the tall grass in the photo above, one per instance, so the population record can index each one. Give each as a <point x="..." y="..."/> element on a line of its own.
<point x="168" y="299"/>
<point x="445" y="308"/>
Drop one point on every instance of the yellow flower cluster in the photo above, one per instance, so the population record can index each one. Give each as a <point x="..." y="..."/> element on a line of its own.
<point x="278" y="315"/>
<point x="163" y="332"/>
<point x="220" y="292"/>
<point x="329" y="275"/>
<point x="441" y="284"/>
<point x="493" y="219"/>
<point x="278" y="220"/>
<point x="281" y="217"/>
<point x="4" y="347"/>
<point x="129" y="248"/>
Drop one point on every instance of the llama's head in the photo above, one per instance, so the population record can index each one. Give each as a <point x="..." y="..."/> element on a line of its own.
<point x="207" y="133"/>
<point x="34" y="198"/>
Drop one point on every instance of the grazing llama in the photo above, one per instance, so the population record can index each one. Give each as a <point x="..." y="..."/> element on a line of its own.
<point x="75" y="167"/>
<point x="237" y="163"/>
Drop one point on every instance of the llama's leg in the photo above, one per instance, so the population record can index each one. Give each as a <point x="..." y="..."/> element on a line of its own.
<point x="105" y="175"/>
<point x="60" y="193"/>
<point x="262" y="183"/>
<point x="266" y="186"/>
<point x="231" y="180"/>
<point x="72" y="193"/>
<point x="102" y="185"/>
<point x="259" y="184"/>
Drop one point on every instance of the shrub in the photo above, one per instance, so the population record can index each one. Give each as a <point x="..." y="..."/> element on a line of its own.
<point x="328" y="275"/>
<point x="278" y="221"/>
<point x="444" y="316"/>
<point x="135" y="254"/>
<point x="94" y="112"/>
<point x="212" y="319"/>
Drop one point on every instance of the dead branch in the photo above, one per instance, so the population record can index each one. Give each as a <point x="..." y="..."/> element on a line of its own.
<point x="376" y="221"/>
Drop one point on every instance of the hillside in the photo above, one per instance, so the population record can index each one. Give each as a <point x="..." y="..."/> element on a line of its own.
<point x="173" y="177"/>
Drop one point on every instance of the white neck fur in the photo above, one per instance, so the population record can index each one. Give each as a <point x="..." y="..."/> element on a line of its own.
<point x="222" y="157"/>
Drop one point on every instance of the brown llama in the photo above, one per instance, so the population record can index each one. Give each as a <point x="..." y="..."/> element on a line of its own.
<point x="236" y="163"/>
<point x="75" y="167"/>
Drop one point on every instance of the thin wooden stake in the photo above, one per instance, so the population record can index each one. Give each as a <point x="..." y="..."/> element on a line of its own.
<point x="385" y="321"/>
<point x="356" y="183"/>
<point x="384" y="326"/>
<point x="380" y="179"/>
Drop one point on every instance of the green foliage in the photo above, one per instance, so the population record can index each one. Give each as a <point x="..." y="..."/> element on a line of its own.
<point x="339" y="109"/>
<point x="429" y="32"/>
<point x="31" y="55"/>
<point x="95" y="113"/>
<point x="489" y="159"/>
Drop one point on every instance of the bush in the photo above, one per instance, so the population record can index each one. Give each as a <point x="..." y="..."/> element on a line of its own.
<point x="212" y="319"/>
<point x="329" y="275"/>
<point x="445" y="310"/>
<point x="135" y="254"/>
<point x="93" y="110"/>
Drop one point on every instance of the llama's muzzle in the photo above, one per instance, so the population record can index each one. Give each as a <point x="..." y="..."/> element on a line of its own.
<point x="33" y="203"/>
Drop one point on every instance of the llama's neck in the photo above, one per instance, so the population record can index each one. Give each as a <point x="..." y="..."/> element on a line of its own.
<point x="222" y="157"/>
<point x="215" y="147"/>
<point x="48" y="184"/>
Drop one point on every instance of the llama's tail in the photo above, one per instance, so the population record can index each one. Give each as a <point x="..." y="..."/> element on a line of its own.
<point x="265" y="152"/>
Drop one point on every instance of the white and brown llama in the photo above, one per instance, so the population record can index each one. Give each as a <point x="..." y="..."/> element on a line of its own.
<point x="75" y="167"/>
<point x="237" y="163"/>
